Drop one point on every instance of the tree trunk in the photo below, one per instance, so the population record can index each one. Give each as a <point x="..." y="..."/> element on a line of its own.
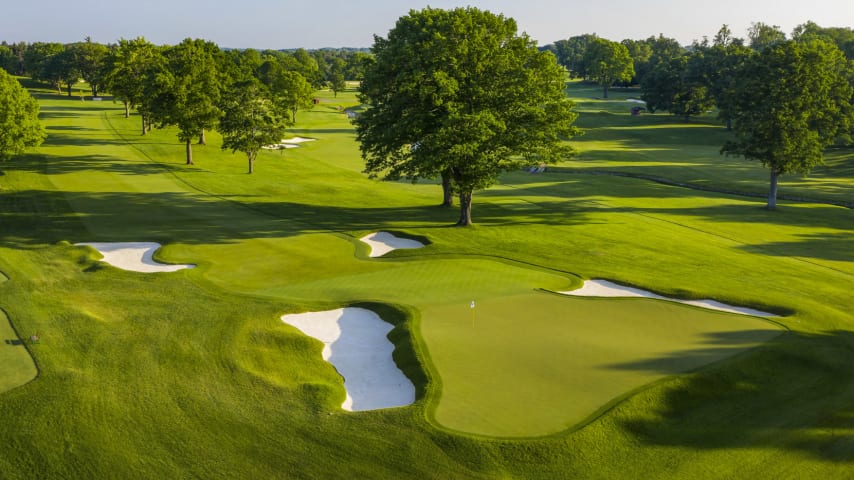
<point x="127" y="109"/>
<point x="143" y="123"/>
<point x="294" y="115"/>
<point x="772" y="191"/>
<point x="447" y="189"/>
<point x="465" y="209"/>
<point x="189" y="152"/>
<point x="729" y="124"/>
<point x="148" y="122"/>
<point x="202" y="139"/>
<point x="94" y="90"/>
<point x="69" y="88"/>
<point x="251" y="161"/>
<point x="605" y="91"/>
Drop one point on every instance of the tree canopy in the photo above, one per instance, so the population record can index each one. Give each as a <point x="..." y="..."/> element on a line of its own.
<point x="19" y="118"/>
<point x="250" y="119"/>
<point x="792" y="100"/>
<point x="459" y="92"/>
<point x="607" y="62"/>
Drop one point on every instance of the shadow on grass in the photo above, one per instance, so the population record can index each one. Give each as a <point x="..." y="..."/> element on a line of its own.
<point x="827" y="246"/>
<point x="794" y="393"/>
<point x="36" y="216"/>
<point x="721" y="345"/>
<point x="48" y="164"/>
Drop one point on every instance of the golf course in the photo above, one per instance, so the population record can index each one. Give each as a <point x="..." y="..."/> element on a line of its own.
<point x="192" y="373"/>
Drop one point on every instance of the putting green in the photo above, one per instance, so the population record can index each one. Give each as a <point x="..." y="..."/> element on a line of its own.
<point x="539" y="363"/>
<point x="16" y="365"/>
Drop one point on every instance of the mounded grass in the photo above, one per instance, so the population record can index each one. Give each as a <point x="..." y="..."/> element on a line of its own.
<point x="193" y="374"/>
<point x="16" y="364"/>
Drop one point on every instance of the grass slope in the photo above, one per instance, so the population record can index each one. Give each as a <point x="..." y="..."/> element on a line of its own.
<point x="192" y="374"/>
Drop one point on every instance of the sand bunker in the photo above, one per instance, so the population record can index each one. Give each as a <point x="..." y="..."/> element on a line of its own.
<point x="604" y="288"/>
<point x="635" y="100"/>
<point x="289" y="143"/>
<point x="355" y="343"/>
<point x="384" y="242"/>
<point x="133" y="256"/>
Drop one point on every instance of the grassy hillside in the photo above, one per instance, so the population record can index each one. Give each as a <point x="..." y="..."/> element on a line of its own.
<point x="192" y="374"/>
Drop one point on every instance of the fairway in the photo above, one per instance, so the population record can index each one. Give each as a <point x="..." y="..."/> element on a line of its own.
<point x="536" y="364"/>
<point x="193" y="373"/>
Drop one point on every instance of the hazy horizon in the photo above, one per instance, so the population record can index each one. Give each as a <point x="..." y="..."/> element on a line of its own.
<point x="269" y="24"/>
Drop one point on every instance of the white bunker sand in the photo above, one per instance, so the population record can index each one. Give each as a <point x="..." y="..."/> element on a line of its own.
<point x="355" y="343"/>
<point x="134" y="256"/>
<point x="289" y="143"/>
<point x="384" y="242"/>
<point x="604" y="288"/>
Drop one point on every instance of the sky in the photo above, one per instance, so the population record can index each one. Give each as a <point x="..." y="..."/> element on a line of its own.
<point x="279" y="24"/>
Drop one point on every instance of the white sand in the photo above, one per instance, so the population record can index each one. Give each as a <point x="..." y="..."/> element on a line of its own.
<point x="384" y="242"/>
<point x="297" y="140"/>
<point x="355" y="343"/>
<point x="289" y="143"/>
<point x="604" y="288"/>
<point x="635" y="100"/>
<point x="133" y="256"/>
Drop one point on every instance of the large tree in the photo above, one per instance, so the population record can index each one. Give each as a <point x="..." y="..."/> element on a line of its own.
<point x="192" y="91"/>
<point x="459" y="91"/>
<point x="608" y="62"/>
<point x="792" y="101"/>
<point x="128" y="66"/>
<point x="19" y="118"/>
<point x="89" y="58"/>
<point x="250" y="120"/>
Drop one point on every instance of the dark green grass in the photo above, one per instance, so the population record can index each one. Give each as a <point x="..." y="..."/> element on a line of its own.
<point x="193" y="374"/>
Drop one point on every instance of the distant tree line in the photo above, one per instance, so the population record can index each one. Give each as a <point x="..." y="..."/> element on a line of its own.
<point x="786" y="99"/>
<point x="194" y="86"/>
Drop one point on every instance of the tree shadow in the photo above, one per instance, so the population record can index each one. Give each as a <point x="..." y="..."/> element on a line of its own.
<point x="49" y="164"/>
<point x="795" y="393"/>
<point x="720" y="345"/>
<point x="826" y="246"/>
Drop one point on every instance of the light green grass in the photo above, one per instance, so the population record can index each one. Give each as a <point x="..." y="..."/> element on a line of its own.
<point x="536" y="364"/>
<point x="192" y="374"/>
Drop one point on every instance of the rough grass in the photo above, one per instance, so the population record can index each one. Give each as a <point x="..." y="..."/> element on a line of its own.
<point x="192" y="373"/>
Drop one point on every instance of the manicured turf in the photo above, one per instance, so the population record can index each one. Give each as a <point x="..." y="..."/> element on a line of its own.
<point x="192" y="374"/>
<point x="16" y="365"/>
<point x="540" y="363"/>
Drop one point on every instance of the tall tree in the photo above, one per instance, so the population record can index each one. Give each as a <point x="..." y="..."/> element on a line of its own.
<point x="570" y="53"/>
<point x="292" y="92"/>
<point x="793" y="100"/>
<point x="39" y="60"/>
<point x="194" y="87"/>
<point x="460" y="91"/>
<point x="250" y="120"/>
<point x="762" y="35"/>
<point x="19" y="118"/>
<point x="128" y="66"/>
<point x="90" y="58"/>
<point x="608" y="62"/>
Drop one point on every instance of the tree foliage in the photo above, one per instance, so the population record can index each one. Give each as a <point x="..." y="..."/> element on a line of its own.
<point x="762" y="35"/>
<point x="250" y="119"/>
<point x="188" y="94"/>
<point x="459" y="92"/>
<point x="792" y="101"/>
<point x="607" y="62"/>
<point x="19" y="118"/>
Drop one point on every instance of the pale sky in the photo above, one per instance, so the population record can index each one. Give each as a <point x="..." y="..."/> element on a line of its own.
<point x="276" y="24"/>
